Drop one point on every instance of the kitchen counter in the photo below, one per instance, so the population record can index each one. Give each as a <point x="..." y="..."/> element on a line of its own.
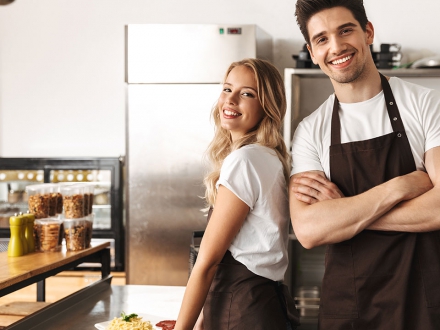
<point x="161" y="301"/>
<point x="19" y="272"/>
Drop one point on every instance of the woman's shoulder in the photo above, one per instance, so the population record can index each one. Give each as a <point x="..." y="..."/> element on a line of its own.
<point x="253" y="155"/>
<point x="252" y="151"/>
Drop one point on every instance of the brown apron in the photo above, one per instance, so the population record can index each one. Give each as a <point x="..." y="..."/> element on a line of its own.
<point x="378" y="280"/>
<point x="238" y="299"/>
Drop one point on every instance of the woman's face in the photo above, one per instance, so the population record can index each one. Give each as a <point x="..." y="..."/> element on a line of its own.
<point x="238" y="104"/>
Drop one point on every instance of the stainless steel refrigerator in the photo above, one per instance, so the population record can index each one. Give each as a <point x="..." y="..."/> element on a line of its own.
<point x="174" y="74"/>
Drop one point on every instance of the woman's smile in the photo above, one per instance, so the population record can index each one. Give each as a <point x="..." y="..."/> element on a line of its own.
<point x="238" y="104"/>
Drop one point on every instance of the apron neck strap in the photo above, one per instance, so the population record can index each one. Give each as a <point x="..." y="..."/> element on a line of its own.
<point x="393" y="112"/>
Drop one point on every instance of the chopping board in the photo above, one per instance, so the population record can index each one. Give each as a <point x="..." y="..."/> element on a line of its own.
<point x="22" y="308"/>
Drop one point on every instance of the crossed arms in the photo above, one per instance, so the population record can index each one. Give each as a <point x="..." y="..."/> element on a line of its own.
<point x="320" y="214"/>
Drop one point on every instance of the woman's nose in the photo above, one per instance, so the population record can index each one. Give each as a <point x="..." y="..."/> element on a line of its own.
<point x="231" y="98"/>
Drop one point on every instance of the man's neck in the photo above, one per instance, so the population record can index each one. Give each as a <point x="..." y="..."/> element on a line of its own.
<point x="363" y="88"/>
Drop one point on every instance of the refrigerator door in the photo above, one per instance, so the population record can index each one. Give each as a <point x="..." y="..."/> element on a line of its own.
<point x="190" y="53"/>
<point x="169" y="129"/>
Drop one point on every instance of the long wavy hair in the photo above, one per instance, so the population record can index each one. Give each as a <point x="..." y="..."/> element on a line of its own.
<point x="272" y="97"/>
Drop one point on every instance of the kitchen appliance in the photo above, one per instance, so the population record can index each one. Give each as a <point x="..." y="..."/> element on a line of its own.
<point x="388" y="57"/>
<point x="174" y="75"/>
<point x="304" y="60"/>
<point x="105" y="174"/>
<point x="427" y="63"/>
<point x="306" y="90"/>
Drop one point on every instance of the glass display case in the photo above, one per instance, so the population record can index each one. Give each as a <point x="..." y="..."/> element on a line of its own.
<point x="104" y="174"/>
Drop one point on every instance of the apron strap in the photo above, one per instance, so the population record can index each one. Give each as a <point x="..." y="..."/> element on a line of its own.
<point x="393" y="110"/>
<point x="336" y="125"/>
<point x="390" y="102"/>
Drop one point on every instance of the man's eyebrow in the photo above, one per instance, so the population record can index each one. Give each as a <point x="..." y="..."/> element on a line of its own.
<point x="320" y="34"/>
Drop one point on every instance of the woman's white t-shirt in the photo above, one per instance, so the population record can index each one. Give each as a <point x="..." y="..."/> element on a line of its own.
<point x="254" y="174"/>
<point x="419" y="109"/>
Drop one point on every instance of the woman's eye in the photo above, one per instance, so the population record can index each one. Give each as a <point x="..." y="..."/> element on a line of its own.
<point x="248" y="94"/>
<point x="226" y="90"/>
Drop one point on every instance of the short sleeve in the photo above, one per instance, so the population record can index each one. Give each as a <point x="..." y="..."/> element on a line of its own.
<point x="239" y="176"/>
<point x="305" y="156"/>
<point x="431" y="119"/>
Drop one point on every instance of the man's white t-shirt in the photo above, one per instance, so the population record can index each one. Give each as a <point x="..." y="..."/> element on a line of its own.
<point x="419" y="109"/>
<point x="255" y="175"/>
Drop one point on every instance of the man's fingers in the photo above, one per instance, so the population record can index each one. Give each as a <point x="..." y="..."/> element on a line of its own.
<point x="305" y="198"/>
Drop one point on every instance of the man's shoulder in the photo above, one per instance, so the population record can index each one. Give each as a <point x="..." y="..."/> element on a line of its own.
<point x="323" y="111"/>
<point x="407" y="86"/>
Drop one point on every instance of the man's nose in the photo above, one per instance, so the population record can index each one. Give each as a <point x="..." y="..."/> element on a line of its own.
<point x="337" y="46"/>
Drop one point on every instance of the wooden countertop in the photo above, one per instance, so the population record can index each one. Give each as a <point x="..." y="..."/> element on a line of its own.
<point x="14" y="270"/>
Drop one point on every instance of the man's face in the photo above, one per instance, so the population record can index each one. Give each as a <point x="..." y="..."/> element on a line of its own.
<point x="338" y="44"/>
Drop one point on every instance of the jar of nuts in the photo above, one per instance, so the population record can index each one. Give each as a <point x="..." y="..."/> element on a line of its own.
<point x="75" y="233"/>
<point x="48" y="234"/>
<point x="73" y="201"/>
<point x="38" y="200"/>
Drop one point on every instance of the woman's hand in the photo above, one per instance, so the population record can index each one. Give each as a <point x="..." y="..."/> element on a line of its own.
<point x="313" y="187"/>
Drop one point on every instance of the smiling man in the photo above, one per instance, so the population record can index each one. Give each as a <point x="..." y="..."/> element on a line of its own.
<point x="365" y="180"/>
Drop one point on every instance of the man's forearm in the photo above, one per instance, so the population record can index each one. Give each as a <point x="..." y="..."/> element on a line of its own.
<point x="336" y="220"/>
<point x="420" y="214"/>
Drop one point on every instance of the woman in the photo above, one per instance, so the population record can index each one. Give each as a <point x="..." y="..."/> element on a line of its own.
<point x="243" y="254"/>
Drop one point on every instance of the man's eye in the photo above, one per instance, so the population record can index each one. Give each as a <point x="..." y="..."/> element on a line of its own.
<point x="320" y="40"/>
<point x="345" y="31"/>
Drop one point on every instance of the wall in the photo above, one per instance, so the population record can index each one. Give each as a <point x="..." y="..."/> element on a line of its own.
<point x="62" y="90"/>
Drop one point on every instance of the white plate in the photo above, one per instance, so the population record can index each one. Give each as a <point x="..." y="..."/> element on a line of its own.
<point x="145" y="317"/>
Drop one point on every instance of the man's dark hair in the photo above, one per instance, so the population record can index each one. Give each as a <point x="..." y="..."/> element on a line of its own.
<point x="305" y="9"/>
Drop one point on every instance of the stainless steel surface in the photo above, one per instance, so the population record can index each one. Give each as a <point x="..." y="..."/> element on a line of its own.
<point x="190" y="53"/>
<point x="427" y="62"/>
<point x="107" y="303"/>
<point x="167" y="136"/>
<point x="62" y="314"/>
<point x="168" y="131"/>
<point x="307" y="89"/>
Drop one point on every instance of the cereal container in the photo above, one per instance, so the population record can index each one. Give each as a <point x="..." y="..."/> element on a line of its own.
<point x="73" y="201"/>
<point x="75" y="233"/>
<point x="38" y="200"/>
<point x="89" y="231"/>
<point x="89" y="193"/>
<point x="48" y="234"/>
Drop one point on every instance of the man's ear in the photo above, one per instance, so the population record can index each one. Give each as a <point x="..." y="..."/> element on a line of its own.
<point x="369" y="33"/>
<point x="311" y="54"/>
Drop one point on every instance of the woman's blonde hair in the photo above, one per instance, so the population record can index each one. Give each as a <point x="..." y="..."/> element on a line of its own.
<point x="272" y="97"/>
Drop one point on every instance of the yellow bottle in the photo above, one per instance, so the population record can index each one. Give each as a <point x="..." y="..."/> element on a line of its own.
<point x="29" y="231"/>
<point x="15" y="246"/>
<point x="22" y="232"/>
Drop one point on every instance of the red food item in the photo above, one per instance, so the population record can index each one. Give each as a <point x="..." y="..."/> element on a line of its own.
<point x="166" y="324"/>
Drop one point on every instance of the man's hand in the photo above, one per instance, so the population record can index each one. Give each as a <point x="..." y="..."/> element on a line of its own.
<point x="312" y="187"/>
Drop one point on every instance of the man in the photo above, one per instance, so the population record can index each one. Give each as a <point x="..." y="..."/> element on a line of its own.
<point x="359" y="184"/>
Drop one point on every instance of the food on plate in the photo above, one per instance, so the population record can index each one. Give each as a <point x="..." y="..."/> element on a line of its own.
<point x="166" y="324"/>
<point x="129" y="322"/>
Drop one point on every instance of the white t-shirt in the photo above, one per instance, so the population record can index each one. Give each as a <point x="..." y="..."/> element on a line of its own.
<point x="255" y="175"/>
<point x="419" y="109"/>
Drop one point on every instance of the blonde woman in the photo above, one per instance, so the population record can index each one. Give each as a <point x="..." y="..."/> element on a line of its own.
<point x="243" y="254"/>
